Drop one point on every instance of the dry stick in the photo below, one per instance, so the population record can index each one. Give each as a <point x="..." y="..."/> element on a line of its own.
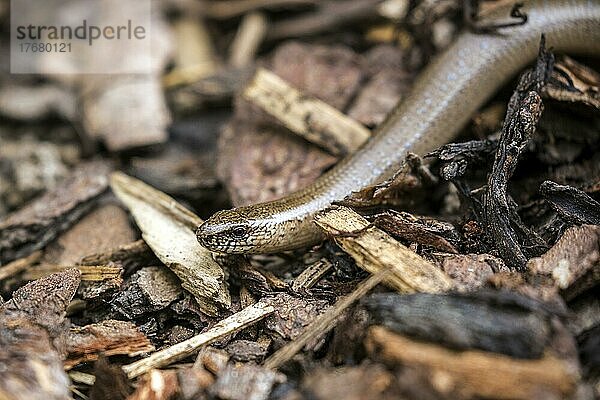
<point x="19" y="265"/>
<point x="247" y="40"/>
<point x="89" y="273"/>
<point x="311" y="275"/>
<point x="308" y="117"/>
<point x="325" y="322"/>
<point x="229" y="325"/>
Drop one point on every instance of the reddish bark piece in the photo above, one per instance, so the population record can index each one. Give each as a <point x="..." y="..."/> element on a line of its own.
<point x="108" y="337"/>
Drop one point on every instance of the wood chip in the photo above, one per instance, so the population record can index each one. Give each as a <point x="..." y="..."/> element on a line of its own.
<point x="35" y="225"/>
<point x="45" y="301"/>
<point x="475" y="374"/>
<point x="157" y="385"/>
<point x="125" y="254"/>
<point x="168" y="228"/>
<point x="248" y="39"/>
<point x="108" y="337"/>
<point x="104" y="228"/>
<point x="519" y="328"/>
<point x="245" y="382"/>
<point x="366" y="381"/>
<point x="127" y="112"/>
<point x="272" y="165"/>
<point x="311" y="275"/>
<point x="148" y="290"/>
<point x="312" y="119"/>
<point x="228" y="326"/>
<point x="195" y="57"/>
<point x="89" y="273"/>
<point x="575" y="253"/>
<point x="374" y="250"/>
<point x="293" y="314"/>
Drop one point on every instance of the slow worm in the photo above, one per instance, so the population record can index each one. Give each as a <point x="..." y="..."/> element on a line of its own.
<point x="442" y="100"/>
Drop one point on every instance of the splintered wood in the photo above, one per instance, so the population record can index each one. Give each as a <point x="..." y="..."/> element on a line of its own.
<point x="375" y="250"/>
<point x="228" y="326"/>
<point x="306" y="116"/>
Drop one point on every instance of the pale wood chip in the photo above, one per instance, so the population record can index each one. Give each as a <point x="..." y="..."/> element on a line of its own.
<point x="308" y="117"/>
<point x="168" y="228"/>
<point x="375" y="250"/>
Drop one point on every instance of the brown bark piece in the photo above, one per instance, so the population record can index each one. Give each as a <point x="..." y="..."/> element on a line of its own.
<point x="245" y="381"/>
<point x="36" y="224"/>
<point x="168" y="228"/>
<point x="157" y="385"/>
<point x="421" y="230"/>
<point x="193" y="383"/>
<point x="127" y="254"/>
<point x="475" y="374"/>
<point x="32" y="329"/>
<point x="45" y="301"/>
<point x="31" y="165"/>
<point x="110" y="383"/>
<point x="293" y="314"/>
<point x="332" y="74"/>
<point x="378" y="97"/>
<point x="497" y="321"/>
<point x="575" y="253"/>
<point x="108" y="337"/>
<point x="366" y="381"/>
<point x="471" y="271"/>
<point x="272" y="164"/>
<point x="212" y="359"/>
<point x="127" y="112"/>
<point x="149" y="289"/>
<point x="247" y="350"/>
<point x="102" y="229"/>
<point x="33" y="367"/>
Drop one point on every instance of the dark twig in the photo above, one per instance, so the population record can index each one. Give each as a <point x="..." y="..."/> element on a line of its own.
<point x="513" y="240"/>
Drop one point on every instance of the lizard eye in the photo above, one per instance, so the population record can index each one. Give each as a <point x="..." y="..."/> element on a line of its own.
<point x="239" y="231"/>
